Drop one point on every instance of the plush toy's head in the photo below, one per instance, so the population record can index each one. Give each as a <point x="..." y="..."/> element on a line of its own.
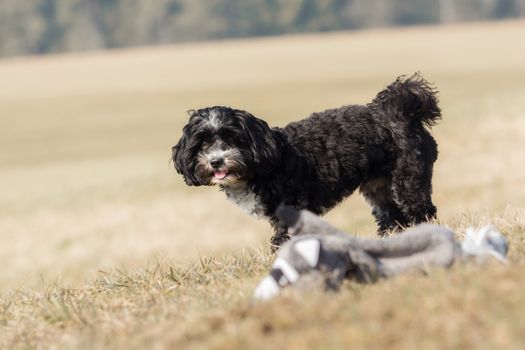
<point x="316" y="257"/>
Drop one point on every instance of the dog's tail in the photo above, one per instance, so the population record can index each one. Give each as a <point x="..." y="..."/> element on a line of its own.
<point x="410" y="99"/>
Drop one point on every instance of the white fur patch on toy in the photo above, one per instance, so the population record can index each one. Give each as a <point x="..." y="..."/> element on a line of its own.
<point x="288" y="270"/>
<point x="485" y="241"/>
<point x="267" y="289"/>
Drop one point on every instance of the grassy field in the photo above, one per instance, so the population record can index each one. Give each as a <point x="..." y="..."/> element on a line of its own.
<point x="103" y="246"/>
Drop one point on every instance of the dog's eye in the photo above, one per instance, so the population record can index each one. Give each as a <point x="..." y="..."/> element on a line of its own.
<point x="205" y="144"/>
<point x="225" y="138"/>
<point x="230" y="139"/>
<point x="226" y="135"/>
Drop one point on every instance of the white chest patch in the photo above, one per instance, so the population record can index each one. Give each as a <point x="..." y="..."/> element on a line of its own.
<point x="246" y="200"/>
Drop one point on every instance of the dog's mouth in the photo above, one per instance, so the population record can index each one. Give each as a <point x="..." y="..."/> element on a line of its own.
<point x="225" y="175"/>
<point x="220" y="174"/>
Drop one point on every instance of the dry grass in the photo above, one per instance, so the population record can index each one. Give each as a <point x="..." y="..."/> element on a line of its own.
<point x="86" y="186"/>
<point x="207" y="305"/>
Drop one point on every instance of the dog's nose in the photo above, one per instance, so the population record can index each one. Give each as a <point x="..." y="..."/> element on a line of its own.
<point x="216" y="162"/>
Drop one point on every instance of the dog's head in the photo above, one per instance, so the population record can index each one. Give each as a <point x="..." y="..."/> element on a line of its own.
<point x="221" y="145"/>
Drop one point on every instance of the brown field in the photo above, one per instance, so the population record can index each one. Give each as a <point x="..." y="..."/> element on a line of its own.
<point x="103" y="246"/>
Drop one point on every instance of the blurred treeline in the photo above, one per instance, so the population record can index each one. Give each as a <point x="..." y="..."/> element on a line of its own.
<point x="44" y="26"/>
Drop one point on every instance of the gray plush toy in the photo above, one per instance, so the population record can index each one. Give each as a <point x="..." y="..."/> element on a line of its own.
<point x="320" y="256"/>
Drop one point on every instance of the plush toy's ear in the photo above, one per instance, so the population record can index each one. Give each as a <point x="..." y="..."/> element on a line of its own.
<point x="265" y="145"/>
<point x="309" y="249"/>
<point x="184" y="157"/>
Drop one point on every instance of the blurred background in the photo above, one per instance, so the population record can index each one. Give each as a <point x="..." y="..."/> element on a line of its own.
<point x="45" y="26"/>
<point x="86" y="132"/>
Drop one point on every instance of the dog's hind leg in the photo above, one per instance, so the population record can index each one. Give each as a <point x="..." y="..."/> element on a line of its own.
<point x="378" y="194"/>
<point x="412" y="186"/>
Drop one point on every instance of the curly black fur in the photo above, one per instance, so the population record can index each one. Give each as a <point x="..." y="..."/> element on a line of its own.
<point x="382" y="147"/>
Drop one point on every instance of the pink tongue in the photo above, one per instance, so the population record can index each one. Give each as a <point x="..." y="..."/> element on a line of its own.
<point x="220" y="174"/>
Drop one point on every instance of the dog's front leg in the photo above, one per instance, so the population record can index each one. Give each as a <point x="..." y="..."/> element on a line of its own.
<point x="279" y="237"/>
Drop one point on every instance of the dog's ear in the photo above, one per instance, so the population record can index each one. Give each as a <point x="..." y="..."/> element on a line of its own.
<point x="184" y="157"/>
<point x="265" y="145"/>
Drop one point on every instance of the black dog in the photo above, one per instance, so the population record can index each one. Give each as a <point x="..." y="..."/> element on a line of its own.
<point x="382" y="147"/>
